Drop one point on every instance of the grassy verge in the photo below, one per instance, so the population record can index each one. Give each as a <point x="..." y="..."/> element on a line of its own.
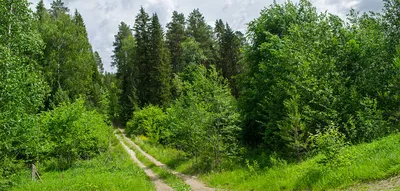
<point x="172" y="180"/>
<point x="361" y="163"/>
<point x="113" y="170"/>
<point x="355" y="165"/>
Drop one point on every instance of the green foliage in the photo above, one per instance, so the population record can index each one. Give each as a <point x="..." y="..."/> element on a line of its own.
<point x="331" y="143"/>
<point x="191" y="53"/>
<point x="174" y="37"/>
<point x="159" y="79"/>
<point x="201" y="32"/>
<point x="229" y="43"/>
<point x="292" y="128"/>
<point x="124" y="51"/>
<point x="203" y="121"/>
<point x="370" y="122"/>
<point x="70" y="132"/>
<point x="342" y="73"/>
<point x="112" y="170"/>
<point x="369" y="162"/>
<point x="22" y="88"/>
<point x="68" y="62"/>
<point x="149" y="121"/>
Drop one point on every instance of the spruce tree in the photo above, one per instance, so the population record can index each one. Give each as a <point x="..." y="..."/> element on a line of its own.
<point x="141" y="28"/>
<point x="57" y="7"/>
<point x="99" y="63"/>
<point x="123" y="59"/>
<point x="198" y="29"/>
<point x="40" y="10"/>
<point x="175" y="36"/>
<point x="228" y="55"/>
<point x="159" y="75"/>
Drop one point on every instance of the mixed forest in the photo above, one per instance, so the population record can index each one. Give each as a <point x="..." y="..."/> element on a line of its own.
<point x="299" y="94"/>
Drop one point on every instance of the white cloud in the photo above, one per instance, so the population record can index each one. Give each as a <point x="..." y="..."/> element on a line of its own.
<point x="102" y="17"/>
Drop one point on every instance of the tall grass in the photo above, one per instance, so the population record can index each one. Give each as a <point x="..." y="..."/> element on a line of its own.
<point x="112" y="170"/>
<point x="361" y="163"/>
<point x="353" y="165"/>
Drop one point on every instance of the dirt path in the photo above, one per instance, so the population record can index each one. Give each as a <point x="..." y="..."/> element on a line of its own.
<point x="192" y="181"/>
<point x="388" y="184"/>
<point x="160" y="185"/>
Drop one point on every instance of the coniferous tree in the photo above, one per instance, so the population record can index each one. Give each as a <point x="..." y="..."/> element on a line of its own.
<point x="142" y="38"/>
<point x="159" y="76"/>
<point x="40" y="10"/>
<point x="198" y="29"/>
<point x="175" y="36"/>
<point x="57" y="7"/>
<point x="228" y="55"/>
<point x="99" y="63"/>
<point x="123" y="59"/>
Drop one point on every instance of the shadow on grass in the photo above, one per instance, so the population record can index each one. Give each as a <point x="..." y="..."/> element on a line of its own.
<point x="310" y="178"/>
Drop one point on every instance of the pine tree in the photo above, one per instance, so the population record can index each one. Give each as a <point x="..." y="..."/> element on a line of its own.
<point x="175" y="36"/>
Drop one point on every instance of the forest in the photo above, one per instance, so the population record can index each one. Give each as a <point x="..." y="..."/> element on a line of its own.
<point x="302" y="100"/>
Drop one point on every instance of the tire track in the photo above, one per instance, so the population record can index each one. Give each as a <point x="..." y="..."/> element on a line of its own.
<point x="159" y="184"/>
<point x="192" y="181"/>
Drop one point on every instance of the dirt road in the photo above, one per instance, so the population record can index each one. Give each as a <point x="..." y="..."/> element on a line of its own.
<point x="159" y="184"/>
<point x="193" y="182"/>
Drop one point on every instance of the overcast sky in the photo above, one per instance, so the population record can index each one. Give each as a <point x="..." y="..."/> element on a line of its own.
<point x="102" y="17"/>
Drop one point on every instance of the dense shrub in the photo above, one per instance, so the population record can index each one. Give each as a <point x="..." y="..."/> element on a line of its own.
<point x="204" y="119"/>
<point x="148" y="121"/>
<point x="70" y="132"/>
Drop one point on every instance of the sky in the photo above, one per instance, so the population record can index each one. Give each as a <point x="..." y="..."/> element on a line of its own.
<point x="102" y="17"/>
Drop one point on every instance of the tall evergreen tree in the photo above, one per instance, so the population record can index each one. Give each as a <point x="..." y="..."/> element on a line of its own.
<point x="141" y="28"/>
<point x="198" y="29"/>
<point x="123" y="59"/>
<point x="99" y="63"/>
<point x="175" y="36"/>
<point x="40" y="10"/>
<point x="160" y="70"/>
<point x="228" y="45"/>
<point x="57" y="7"/>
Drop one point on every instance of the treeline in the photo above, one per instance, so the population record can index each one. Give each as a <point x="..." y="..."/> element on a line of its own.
<point x="169" y="84"/>
<point x="54" y="98"/>
<point x="301" y="81"/>
<point x="148" y="59"/>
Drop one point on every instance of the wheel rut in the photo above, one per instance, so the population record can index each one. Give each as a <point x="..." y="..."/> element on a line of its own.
<point x="159" y="184"/>
<point x="192" y="181"/>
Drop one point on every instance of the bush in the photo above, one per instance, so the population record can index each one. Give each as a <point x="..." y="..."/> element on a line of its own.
<point x="330" y="143"/>
<point x="70" y="132"/>
<point x="148" y="121"/>
<point x="203" y="121"/>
